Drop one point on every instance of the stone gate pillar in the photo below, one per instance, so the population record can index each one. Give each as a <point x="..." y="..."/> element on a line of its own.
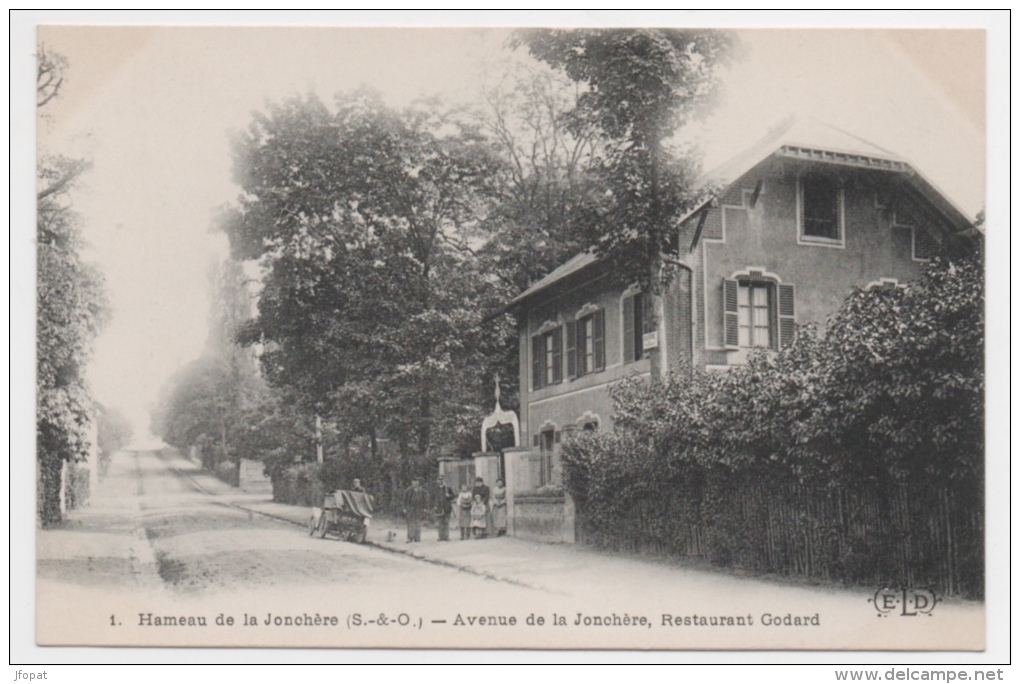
<point x="513" y="469"/>
<point x="487" y="466"/>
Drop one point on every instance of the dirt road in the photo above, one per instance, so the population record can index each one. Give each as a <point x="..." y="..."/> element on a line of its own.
<point x="166" y="555"/>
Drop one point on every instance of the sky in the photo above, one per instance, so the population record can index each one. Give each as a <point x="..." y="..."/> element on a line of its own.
<point x="153" y="109"/>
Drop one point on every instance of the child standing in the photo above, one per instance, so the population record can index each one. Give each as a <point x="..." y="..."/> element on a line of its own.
<point x="479" y="517"/>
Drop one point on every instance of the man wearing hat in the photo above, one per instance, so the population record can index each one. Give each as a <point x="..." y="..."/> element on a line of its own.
<point x="415" y="504"/>
<point x="443" y="503"/>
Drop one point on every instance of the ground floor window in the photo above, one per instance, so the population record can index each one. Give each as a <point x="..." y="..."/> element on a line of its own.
<point x="754" y="314"/>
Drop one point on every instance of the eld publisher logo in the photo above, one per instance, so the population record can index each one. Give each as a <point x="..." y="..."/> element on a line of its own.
<point x="905" y="602"/>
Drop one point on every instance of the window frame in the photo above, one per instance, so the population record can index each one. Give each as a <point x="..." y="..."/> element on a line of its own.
<point x="634" y="324"/>
<point x="771" y="313"/>
<point x="597" y="356"/>
<point x="576" y="362"/>
<point x="548" y="440"/>
<point x="840" y="209"/>
<point x="548" y="346"/>
<point x="781" y="309"/>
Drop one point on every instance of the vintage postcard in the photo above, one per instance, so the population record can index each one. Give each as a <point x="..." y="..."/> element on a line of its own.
<point x="492" y="338"/>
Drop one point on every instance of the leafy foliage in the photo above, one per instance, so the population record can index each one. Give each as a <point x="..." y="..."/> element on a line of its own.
<point x="887" y="400"/>
<point x="70" y="311"/>
<point x="642" y="86"/>
<point x="365" y="221"/>
<point x="546" y="179"/>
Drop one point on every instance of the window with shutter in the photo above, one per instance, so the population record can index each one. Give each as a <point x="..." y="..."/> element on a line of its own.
<point x="754" y="314"/>
<point x="629" y="343"/>
<point x="758" y="312"/>
<point x="547" y="358"/>
<point x="599" y="333"/>
<point x="787" y="315"/>
<point x="634" y="327"/>
<point x="557" y="356"/>
<point x="731" y="328"/>
<point x="537" y="362"/>
<point x="590" y="333"/>
<point x="571" y="349"/>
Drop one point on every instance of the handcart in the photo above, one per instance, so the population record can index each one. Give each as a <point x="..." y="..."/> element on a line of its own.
<point x="344" y="514"/>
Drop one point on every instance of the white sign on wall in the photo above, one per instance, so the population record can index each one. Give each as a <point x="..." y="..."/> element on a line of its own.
<point x="650" y="341"/>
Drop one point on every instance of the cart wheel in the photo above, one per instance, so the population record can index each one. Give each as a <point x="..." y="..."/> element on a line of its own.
<point x="313" y="522"/>
<point x="323" y="526"/>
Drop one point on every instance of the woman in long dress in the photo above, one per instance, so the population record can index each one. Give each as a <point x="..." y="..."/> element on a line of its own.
<point x="498" y="499"/>
<point x="464" y="501"/>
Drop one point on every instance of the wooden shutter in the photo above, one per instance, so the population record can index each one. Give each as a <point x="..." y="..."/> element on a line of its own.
<point x="571" y="349"/>
<point x="787" y="316"/>
<point x="598" y="325"/>
<point x="731" y="332"/>
<point x="537" y="362"/>
<point x="644" y="322"/>
<point x="629" y="347"/>
<point x="557" y="354"/>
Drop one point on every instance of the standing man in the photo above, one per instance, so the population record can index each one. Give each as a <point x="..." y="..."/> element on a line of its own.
<point x="443" y="503"/>
<point x="415" y="505"/>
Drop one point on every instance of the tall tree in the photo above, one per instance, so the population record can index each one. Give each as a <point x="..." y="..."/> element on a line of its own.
<point x="642" y="85"/>
<point x="546" y="178"/>
<point x="208" y="403"/>
<point x="70" y="311"/>
<point x="366" y="221"/>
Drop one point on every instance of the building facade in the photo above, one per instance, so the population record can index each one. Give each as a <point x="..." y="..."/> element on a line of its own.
<point x="785" y="232"/>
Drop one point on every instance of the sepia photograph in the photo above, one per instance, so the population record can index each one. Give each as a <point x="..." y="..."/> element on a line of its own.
<point x="663" y="337"/>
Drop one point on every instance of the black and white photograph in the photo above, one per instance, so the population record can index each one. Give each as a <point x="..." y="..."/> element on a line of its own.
<point x="526" y="336"/>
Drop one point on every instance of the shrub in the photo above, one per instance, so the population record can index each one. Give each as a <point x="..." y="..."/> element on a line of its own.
<point x="77" y="486"/>
<point x="229" y="472"/>
<point x="890" y="395"/>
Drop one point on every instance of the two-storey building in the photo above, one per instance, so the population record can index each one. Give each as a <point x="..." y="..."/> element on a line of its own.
<point x="786" y="230"/>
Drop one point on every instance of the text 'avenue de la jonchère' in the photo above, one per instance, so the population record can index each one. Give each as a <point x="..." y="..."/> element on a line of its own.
<point x="462" y="620"/>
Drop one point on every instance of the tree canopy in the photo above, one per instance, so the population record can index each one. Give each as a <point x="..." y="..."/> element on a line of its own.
<point x="641" y="86"/>
<point x="70" y="310"/>
<point x="366" y="221"/>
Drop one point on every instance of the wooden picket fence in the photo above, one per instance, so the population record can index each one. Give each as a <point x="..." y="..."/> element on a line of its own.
<point x="893" y="536"/>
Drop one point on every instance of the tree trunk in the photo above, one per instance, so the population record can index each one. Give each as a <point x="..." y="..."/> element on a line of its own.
<point x="223" y="440"/>
<point x="655" y="260"/>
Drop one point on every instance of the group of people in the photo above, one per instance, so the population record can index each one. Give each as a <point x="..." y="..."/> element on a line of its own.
<point x="480" y="511"/>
